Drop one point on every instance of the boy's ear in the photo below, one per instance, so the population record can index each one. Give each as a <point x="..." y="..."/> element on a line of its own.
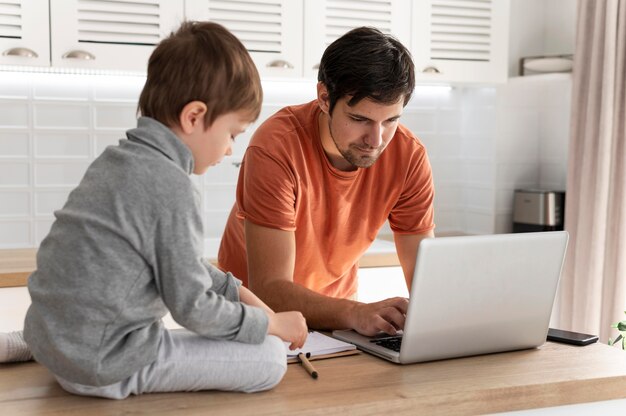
<point x="192" y="116"/>
<point x="323" y="99"/>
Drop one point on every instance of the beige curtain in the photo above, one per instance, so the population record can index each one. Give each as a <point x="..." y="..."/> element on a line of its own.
<point x="593" y="287"/>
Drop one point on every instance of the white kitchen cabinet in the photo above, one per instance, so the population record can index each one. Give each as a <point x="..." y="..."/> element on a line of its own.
<point x="104" y="34"/>
<point x="24" y="33"/>
<point x="461" y="40"/>
<point x="271" y="30"/>
<point x="327" y="20"/>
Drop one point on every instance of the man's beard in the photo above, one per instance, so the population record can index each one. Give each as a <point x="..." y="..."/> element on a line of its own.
<point x="352" y="155"/>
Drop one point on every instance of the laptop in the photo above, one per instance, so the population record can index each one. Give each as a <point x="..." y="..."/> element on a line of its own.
<point x="475" y="295"/>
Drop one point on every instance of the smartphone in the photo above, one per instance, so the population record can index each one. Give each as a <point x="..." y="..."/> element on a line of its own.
<point x="568" y="337"/>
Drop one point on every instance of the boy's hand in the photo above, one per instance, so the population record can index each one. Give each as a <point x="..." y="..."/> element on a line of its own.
<point x="290" y="327"/>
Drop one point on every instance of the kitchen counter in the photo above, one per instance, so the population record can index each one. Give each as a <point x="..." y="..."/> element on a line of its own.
<point x="17" y="264"/>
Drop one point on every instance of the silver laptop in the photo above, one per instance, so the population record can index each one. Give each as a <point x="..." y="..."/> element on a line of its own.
<point x="475" y="295"/>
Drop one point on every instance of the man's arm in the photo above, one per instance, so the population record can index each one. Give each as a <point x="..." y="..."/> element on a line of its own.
<point x="271" y="263"/>
<point x="407" y="246"/>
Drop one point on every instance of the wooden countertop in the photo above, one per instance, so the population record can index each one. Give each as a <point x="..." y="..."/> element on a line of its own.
<point x="555" y="374"/>
<point x="17" y="264"/>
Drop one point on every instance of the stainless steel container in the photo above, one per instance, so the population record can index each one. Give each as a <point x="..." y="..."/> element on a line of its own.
<point x="538" y="210"/>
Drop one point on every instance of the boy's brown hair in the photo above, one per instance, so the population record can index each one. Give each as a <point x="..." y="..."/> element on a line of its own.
<point x="201" y="61"/>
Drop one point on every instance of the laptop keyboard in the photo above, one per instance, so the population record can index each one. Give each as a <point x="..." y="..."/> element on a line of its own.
<point x="391" y="343"/>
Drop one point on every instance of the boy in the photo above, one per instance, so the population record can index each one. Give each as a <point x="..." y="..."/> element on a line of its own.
<point x="127" y="246"/>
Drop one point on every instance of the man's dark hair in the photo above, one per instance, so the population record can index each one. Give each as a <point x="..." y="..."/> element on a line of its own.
<point x="366" y="63"/>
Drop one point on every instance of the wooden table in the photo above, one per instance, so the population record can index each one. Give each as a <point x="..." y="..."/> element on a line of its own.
<point x="555" y="374"/>
<point x="17" y="264"/>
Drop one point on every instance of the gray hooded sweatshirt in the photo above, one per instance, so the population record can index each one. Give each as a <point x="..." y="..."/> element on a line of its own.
<point x="126" y="248"/>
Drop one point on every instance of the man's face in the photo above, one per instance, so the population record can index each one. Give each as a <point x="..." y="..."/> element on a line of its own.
<point x="354" y="137"/>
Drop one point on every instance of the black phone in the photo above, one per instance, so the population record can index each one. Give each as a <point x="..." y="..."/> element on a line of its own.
<point x="568" y="337"/>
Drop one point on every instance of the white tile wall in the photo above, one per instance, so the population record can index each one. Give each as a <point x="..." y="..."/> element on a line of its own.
<point x="483" y="142"/>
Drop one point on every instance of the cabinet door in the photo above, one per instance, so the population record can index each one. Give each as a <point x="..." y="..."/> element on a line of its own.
<point x="327" y="20"/>
<point x="461" y="40"/>
<point x="103" y="34"/>
<point x="24" y="32"/>
<point x="271" y="30"/>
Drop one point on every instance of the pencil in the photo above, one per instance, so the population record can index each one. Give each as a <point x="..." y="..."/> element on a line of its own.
<point x="307" y="364"/>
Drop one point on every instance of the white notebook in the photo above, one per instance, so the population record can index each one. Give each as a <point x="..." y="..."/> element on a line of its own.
<point x="320" y="346"/>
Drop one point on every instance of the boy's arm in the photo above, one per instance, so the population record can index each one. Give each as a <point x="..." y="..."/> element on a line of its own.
<point x="271" y="262"/>
<point x="249" y="298"/>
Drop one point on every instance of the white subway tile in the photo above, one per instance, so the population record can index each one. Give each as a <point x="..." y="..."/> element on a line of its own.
<point x="446" y="170"/>
<point x="14" y="234"/>
<point x="13" y="114"/>
<point x="553" y="175"/>
<point x="479" y="223"/>
<point x="119" y="116"/>
<point x="519" y="92"/>
<point x="42" y="228"/>
<point x="517" y="175"/>
<point x="16" y="85"/>
<point x="240" y="145"/>
<point x="224" y="173"/>
<point x="103" y="140"/>
<point x="61" y="115"/>
<point x="61" y="144"/>
<point x="447" y="145"/>
<point x="67" y="87"/>
<point x="14" y="203"/>
<point x="448" y="121"/>
<point x="554" y="132"/>
<point x="475" y="146"/>
<point x="219" y="197"/>
<point x="59" y="173"/>
<point x="214" y="223"/>
<point x="479" y="121"/>
<point x="516" y="149"/>
<point x="504" y="223"/>
<point x="448" y="197"/>
<point x="14" y="144"/>
<point x="504" y="200"/>
<point x="117" y="88"/>
<point x="479" y="173"/>
<point x="420" y="121"/>
<point x="282" y="92"/>
<point x="479" y="96"/>
<point x="46" y="202"/>
<point x="479" y="198"/>
<point x="14" y="173"/>
<point x="449" y="220"/>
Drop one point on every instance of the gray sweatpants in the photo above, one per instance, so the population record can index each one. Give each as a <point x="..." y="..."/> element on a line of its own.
<point x="189" y="362"/>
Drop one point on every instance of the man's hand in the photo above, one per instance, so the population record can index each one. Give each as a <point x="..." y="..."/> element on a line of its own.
<point x="290" y="327"/>
<point x="385" y="316"/>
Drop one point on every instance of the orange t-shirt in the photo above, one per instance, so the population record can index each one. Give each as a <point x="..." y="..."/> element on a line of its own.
<point x="286" y="182"/>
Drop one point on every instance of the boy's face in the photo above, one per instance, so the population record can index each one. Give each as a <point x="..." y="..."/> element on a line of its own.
<point x="211" y="145"/>
<point x="354" y="137"/>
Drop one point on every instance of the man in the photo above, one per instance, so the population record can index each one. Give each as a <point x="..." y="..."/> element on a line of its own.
<point x="319" y="180"/>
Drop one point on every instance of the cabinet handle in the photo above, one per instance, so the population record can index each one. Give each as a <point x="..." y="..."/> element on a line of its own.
<point x="316" y="66"/>
<point x="22" y="52"/>
<point x="431" y="70"/>
<point x="279" y="63"/>
<point x="237" y="164"/>
<point x="77" y="54"/>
